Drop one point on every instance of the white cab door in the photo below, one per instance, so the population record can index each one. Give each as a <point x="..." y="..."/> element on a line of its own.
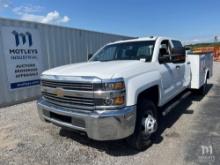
<point x="168" y="74"/>
<point x="182" y="70"/>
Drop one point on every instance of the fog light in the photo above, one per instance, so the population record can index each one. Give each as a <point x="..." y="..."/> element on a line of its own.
<point x="108" y="101"/>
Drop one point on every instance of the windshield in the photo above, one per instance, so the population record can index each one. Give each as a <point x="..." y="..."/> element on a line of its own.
<point x="126" y="51"/>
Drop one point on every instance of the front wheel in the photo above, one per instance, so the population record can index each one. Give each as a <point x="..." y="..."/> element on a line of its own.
<point x="146" y="125"/>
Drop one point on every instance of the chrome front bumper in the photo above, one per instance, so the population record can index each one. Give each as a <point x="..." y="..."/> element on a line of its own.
<point x="99" y="125"/>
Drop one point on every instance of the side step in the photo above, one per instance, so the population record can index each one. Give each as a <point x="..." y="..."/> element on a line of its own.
<point x="170" y="106"/>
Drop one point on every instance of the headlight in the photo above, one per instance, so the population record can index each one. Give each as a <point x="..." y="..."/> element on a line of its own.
<point x="108" y="85"/>
<point x="111" y="93"/>
<point x="114" y="86"/>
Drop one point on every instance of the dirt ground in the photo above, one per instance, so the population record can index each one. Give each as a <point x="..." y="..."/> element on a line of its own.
<point x="190" y="134"/>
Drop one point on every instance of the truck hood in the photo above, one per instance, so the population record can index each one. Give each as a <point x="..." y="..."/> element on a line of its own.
<point x="103" y="70"/>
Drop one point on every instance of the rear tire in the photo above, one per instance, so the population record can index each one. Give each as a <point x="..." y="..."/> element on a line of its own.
<point x="203" y="90"/>
<point x="141" y="140"/>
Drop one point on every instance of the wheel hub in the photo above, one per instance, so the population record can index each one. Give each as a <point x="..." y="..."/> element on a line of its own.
<point x="150" y="125"/>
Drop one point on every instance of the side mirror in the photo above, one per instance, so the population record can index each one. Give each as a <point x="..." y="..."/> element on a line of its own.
<point x="89" y="56"/>
<point x="187" y="48"/>
<point x="178" y="58"/>
<point x="181" y="51"/>
<point x="178" y="55"/>
<point x="164" y="59"/>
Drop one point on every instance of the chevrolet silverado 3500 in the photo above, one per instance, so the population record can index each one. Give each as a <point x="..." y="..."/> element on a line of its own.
<point x="117" y="94"/>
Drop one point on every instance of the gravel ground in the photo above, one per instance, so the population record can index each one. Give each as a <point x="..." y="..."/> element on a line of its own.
<point x="24" y="139"/>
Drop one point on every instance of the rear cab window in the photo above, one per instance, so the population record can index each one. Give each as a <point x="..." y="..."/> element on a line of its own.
<point x="177" y="44"/>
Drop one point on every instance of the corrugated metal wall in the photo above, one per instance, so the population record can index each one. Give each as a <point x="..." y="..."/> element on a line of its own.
<point x="59" y="45"/>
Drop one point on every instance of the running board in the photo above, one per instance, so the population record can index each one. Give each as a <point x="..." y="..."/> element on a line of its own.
<point x="170" y="106"/>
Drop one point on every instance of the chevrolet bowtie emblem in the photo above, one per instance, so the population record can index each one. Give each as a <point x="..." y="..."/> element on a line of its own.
<point x="59" y="92"/>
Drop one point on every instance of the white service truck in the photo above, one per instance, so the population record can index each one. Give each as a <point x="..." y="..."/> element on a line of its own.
<point x="118" y="93"/>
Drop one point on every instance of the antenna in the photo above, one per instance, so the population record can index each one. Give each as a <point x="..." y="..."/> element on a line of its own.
<point x="216" y="39"/>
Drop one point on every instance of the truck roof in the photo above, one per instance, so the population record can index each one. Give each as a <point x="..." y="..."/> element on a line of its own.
<point x="136" y="40"/>
<point x="152" y="38"/>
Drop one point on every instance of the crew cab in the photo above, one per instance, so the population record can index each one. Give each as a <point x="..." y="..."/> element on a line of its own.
<point x="118" y="92"/>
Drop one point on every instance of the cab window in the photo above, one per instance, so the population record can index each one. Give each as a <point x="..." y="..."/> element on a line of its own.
<point x="177" y="44"/>
<point x="165" y="52"/>
<point x="165" y="48"/>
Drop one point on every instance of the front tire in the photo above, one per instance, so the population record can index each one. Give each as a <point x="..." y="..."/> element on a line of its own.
<point x="146" y="125"/>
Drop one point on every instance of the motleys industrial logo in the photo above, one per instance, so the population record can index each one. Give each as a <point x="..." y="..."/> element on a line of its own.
<point x="22" y="53"/>
<point x="207" y="155"/>
<point x="22" y="39"/>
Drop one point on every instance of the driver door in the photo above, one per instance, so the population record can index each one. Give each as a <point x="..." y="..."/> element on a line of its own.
<point x="167" y="71"/>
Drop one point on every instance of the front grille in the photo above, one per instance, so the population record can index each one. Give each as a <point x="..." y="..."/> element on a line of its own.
<point x="68" y="99"/>
<point x="68" y="85"/>
<point x="70" y="102"/>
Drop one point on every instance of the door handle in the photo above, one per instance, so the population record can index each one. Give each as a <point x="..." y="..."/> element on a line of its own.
<point x="177" y="67"/>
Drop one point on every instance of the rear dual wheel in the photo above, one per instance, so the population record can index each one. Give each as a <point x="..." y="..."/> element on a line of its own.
<point x="146" y="125"/>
